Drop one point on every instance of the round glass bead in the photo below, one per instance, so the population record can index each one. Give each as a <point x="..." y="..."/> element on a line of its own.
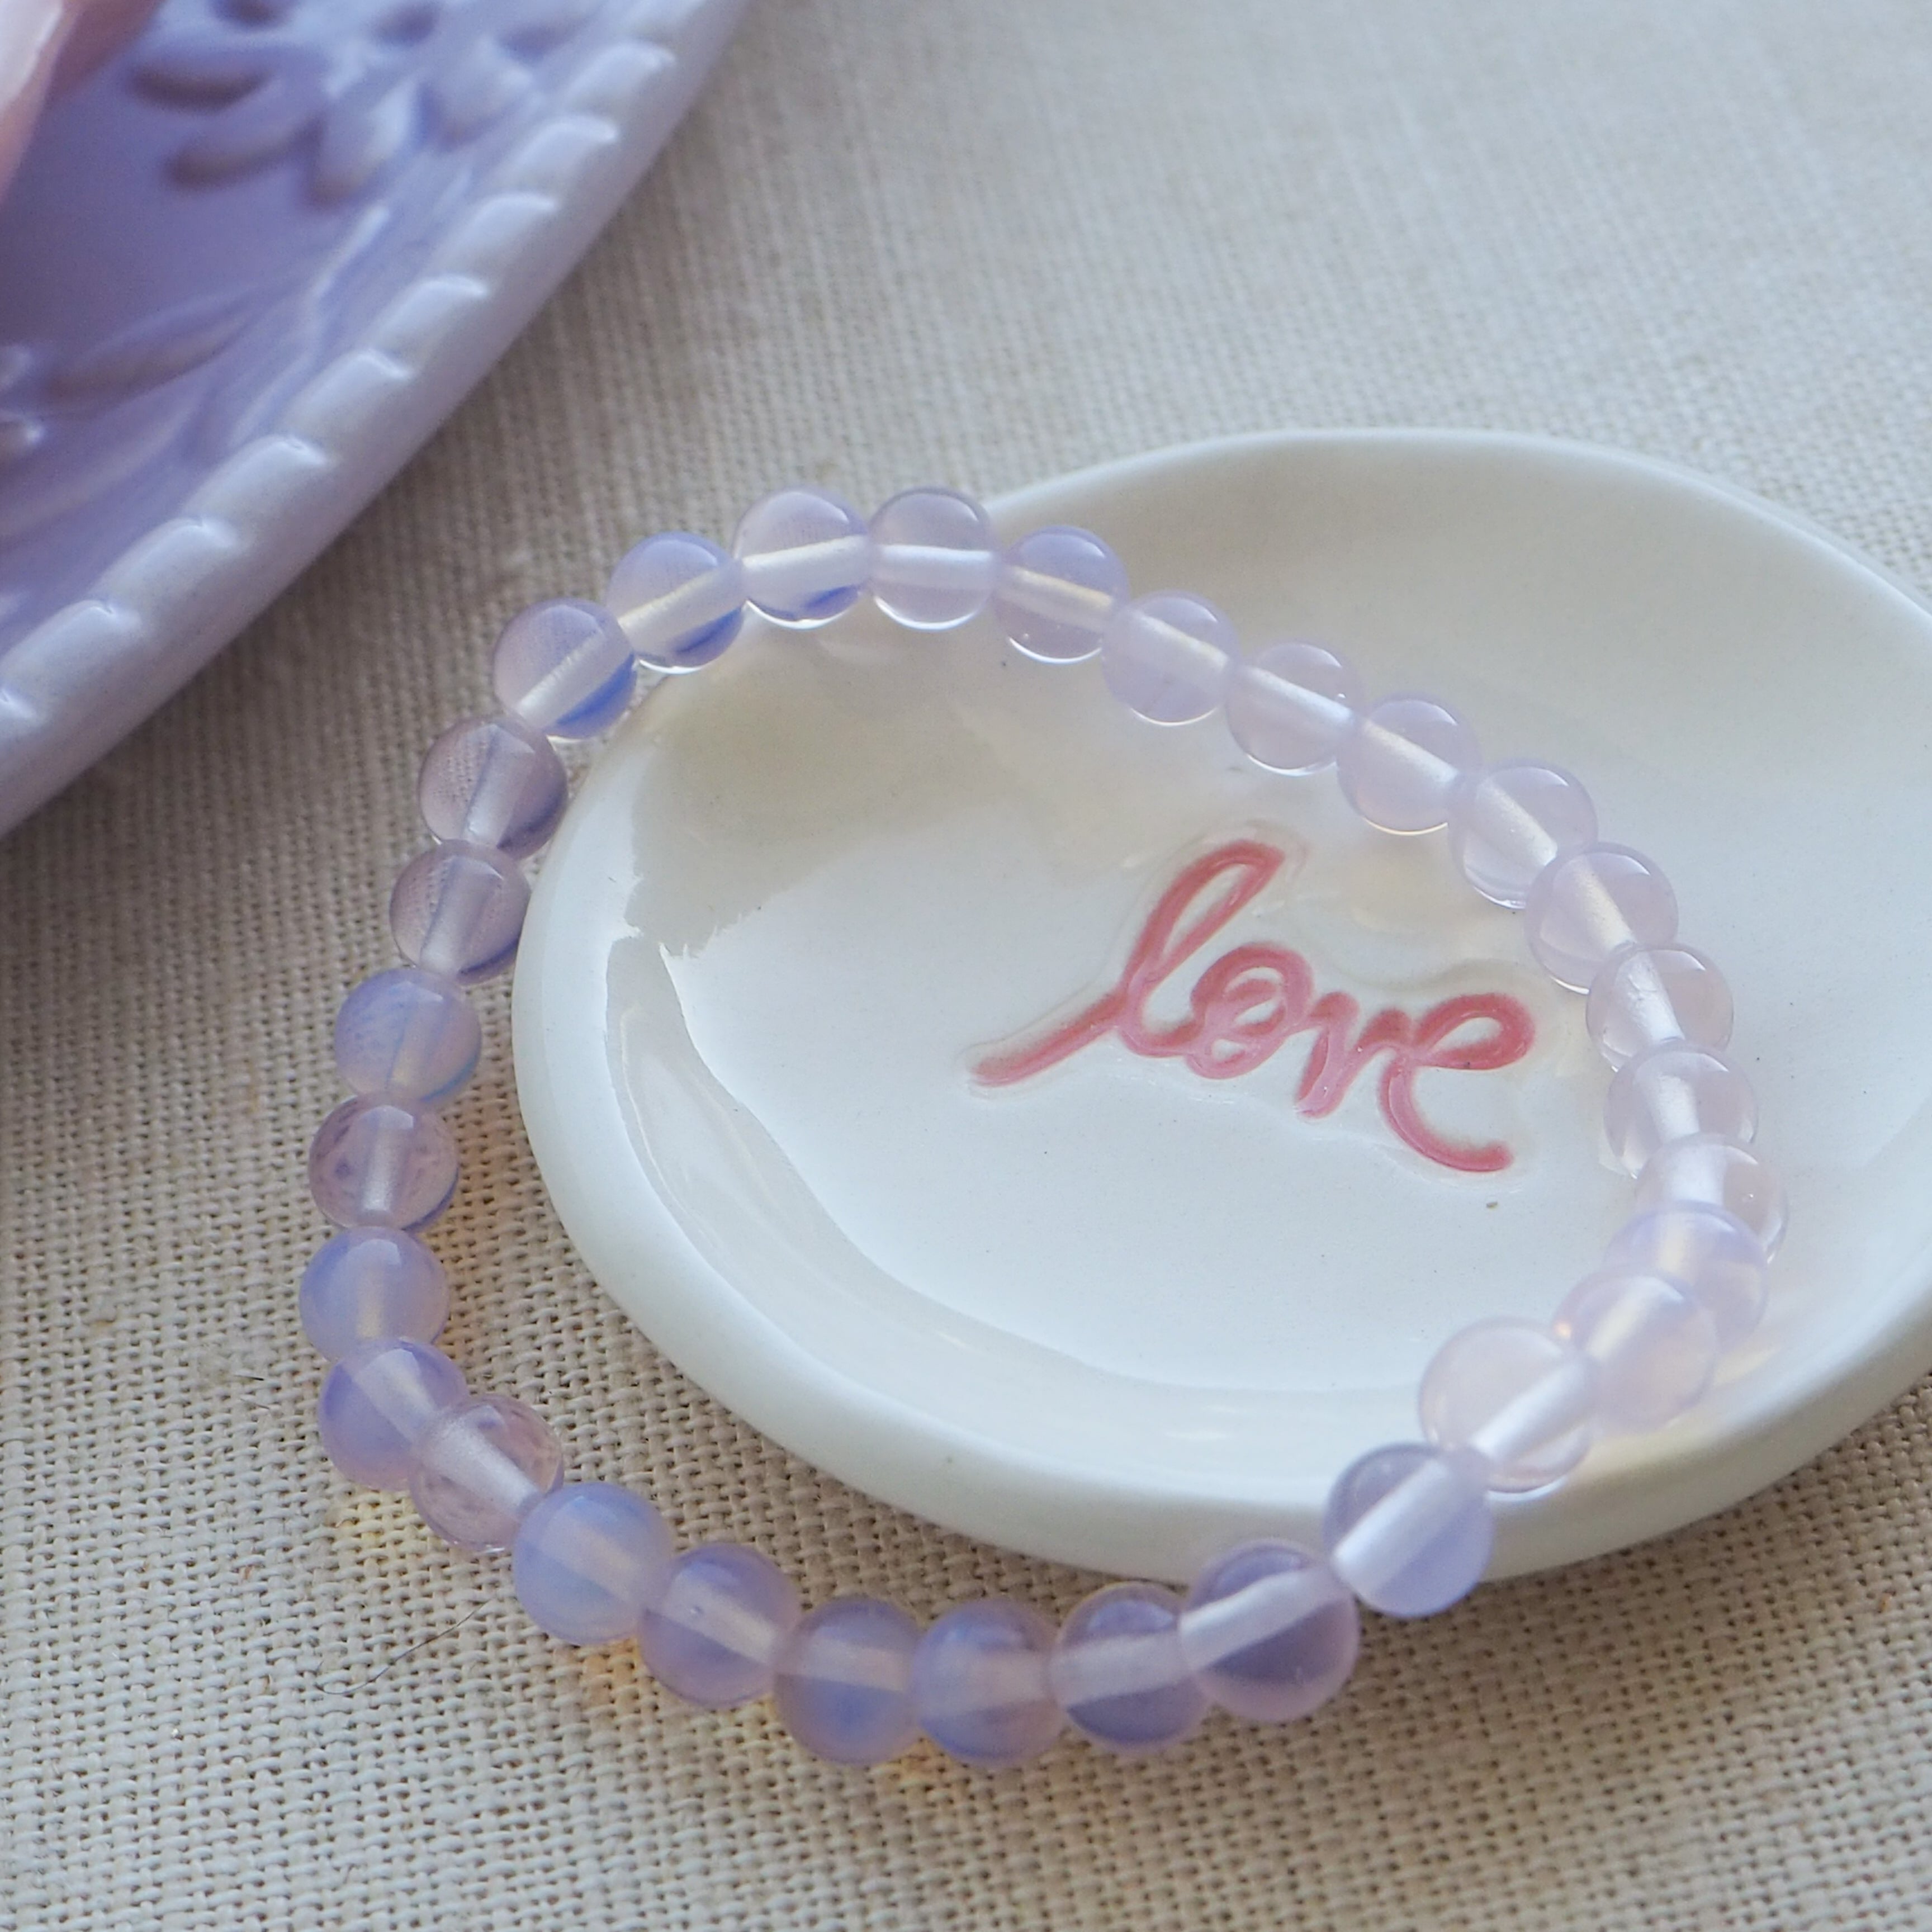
<point x="587" y="1559"/>
<point x="1269" y="1631"/>
<point x="1586" y="904"/>
<point x="1290" y="706"/>
<point x="1508" y="823"/>
<point x="458" y="909"/>
<point x="1710" y="1253"/>
<point x="679" y="599"/>
<point x="805" y="555"/>
<point x="933" y="559"/>
<point x="1400" y="760"/>
<point x="372" y="1285"/>
<point x="1653" y="1346"/>
<point x="1167" y="657"/>
<point x="1118" y="1671"/>
<point x="493" y="782"/>
<point x="843" y="1685"/>
<point x="1671" y="1093"/>
<point x="565" y="667"/>
<point x="407" y="1034"/>
<point x="1056" y="589"/>
<point x="1408" y="1528"/>
<point x="1523" y="1399"/>
<point x="482" y="1467"/>
<point x="1721" y="1175"/>
<point x="1647" y="996"/>
<point x="382" y="1163"/>
<point x="377" y="1403"/>
<point x="713" y="1635"/>
<point x="979" y="1687"/>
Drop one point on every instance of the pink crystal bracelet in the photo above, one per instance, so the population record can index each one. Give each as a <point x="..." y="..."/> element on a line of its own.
<point x="1269" y="1630"/>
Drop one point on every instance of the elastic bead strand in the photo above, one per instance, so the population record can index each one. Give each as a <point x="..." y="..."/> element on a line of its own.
<point x="1269" y="1631"/>
<point x="678" y="599"/>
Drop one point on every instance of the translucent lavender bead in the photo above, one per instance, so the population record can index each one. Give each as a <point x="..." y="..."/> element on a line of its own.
<point x="1521" y="1397"/>
<point x="679" y="599"/>
<point x="1408" y="1528"/>
<point x="1056" y="589"/>
<point x="1671" y="1093"/>
<point x="1400" y="760"/>
<point x="382" y="1163"/>
<point x="1648" y="996"/>
<point x="844" y="1682"/>
<point x="458" y="909"/>
<point x="378" y="1403"/>
<point x="1269" y="1631"/>
<point x="1120" y="1674"/>
<point x="1586" y="904"/>
<point x="408" y="1034"/>
<point x="564" y="666"/>
<point x="979" y="1687"/>
<point x="588" y="1559"/>
<point x="805" y="555"/>
<point x="714" y="1633"/>
<point x="1711" y="1253"/>
<point x="482" y="1467"/>
<point x="1508" y="823"/>
<point x="372" y="1285"/>
<point x="493" y="782"/>
<point x="1290" y="706"/>
<point x="1167" y="657"/>
<point x="1655" y="1347"/>
<point x="933" y="559"/>
<point x="1721" y="1175"/>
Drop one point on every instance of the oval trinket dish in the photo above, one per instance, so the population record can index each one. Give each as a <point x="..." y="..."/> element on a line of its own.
<point x="791" y="960"/>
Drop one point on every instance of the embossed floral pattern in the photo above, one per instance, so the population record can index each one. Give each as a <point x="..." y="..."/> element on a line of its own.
<point x="243" y="270"/>
<point x="349" y="89"/>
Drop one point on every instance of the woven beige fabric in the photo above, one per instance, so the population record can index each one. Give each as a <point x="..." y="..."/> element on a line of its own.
<point x="984" y="240"/>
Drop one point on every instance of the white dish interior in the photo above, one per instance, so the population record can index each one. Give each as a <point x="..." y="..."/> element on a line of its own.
<point x="1121" y="1315"/>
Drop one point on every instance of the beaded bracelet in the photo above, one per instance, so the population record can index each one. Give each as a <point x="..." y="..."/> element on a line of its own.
<point x="1269" y="1630"/>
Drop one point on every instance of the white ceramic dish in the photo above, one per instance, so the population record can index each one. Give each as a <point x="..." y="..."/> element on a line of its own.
<point x="1120" y="1314"/>
<point x="244" y="272"/>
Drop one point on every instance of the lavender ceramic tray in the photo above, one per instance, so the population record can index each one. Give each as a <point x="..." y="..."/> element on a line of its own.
<point x="243" y="272"/>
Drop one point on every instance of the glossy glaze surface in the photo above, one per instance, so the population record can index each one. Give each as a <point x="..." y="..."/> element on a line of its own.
<point x="1129" y="1312"/>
